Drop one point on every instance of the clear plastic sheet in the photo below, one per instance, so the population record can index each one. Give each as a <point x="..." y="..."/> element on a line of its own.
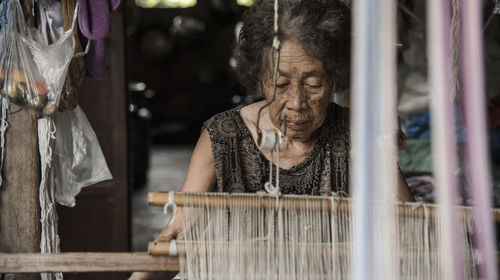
<point x="78" y="159"/>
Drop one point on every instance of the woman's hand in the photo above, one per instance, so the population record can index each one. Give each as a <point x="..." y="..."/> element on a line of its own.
<point x="173" y="230"/>
<point x="168" y="233"/>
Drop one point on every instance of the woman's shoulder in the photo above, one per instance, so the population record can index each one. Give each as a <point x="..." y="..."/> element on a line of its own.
<point x="231" y="113"/>
<point x="225" y="121"/>
<point x="249" y="112"/>
<point x="232" y="122"/>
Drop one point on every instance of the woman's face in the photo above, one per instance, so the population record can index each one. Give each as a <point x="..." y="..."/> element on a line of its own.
<point x="302" y="95"/>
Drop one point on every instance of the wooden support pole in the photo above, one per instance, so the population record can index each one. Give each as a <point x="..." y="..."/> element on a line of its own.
<point x="85" y="262"/>
<point x="19" y="202"/>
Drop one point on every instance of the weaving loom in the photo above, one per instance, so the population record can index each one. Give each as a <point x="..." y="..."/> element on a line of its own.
<point x="248" y="236"/>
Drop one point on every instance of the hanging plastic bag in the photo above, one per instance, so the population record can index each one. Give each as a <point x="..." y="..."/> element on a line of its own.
<point x="32" y="69"/>
<point x="20" y="80"/>
<point x="78" y="159"/>
<point x="52" y="60"/>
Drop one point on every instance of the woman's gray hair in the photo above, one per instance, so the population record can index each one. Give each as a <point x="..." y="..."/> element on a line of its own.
<point x="321" y="27"/>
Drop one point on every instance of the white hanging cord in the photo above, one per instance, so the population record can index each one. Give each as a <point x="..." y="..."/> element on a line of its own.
<point x="80" y="54"/>
<point x="270" y="140"/>
<point x="49" y="240"/>
<point x="3" y="127"/>
<point x="278" y="149"/>
<point x="276" y="41"/>
<point x="170" y="209"/>
<point x="276" y="47"/>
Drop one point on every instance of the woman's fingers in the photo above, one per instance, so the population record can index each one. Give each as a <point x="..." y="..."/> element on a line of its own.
<point x="167" y="236"/>
<point x="180" y="235"/>
<point x="170" y="232"/>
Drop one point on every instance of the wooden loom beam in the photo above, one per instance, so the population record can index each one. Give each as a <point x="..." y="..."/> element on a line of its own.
<point x="295" y="202"/>
<point x="93" y="262"/>
<point x="162" y="248"/>
<point x="85" y="262"/>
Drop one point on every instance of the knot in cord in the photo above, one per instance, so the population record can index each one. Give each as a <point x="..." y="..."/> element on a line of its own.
<point x="271" y="189"/>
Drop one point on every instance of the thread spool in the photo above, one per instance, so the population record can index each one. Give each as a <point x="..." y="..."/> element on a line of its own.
<point x="267" y="140"/>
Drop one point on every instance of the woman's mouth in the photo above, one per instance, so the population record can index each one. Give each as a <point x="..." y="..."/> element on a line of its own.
<point x="295" y="124"/>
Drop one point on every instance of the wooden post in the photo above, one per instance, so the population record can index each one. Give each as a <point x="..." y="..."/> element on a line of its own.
<point x="19" y="203"/>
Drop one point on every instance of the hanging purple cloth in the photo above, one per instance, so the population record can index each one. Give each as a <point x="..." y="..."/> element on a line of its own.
<point x="96" y="59"/>
<point x="94" y="22"/>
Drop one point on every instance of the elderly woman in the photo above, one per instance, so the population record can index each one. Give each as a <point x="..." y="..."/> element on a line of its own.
<point x="313" y="64"/>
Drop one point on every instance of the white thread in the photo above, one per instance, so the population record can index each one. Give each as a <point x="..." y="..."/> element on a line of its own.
<point x="170" y="209"/>
<point x="416" y="205"/>
<point x="281" y="243"/>
<point x="276" y="41"/>
<point x="278" y="136"/>
<point x="49" y="241"/>
<point x="274" y="142"/>
<point x="3" y="127"/>
<point x="172" y="248"/>
<point x="80" y="54"/>
<point x="426" y="236"/>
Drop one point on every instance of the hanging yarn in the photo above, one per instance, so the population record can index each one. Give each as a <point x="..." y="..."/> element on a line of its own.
<point x="49" y="242"/>
<point x="4" y="101"/>
<point x="3" y="127"/>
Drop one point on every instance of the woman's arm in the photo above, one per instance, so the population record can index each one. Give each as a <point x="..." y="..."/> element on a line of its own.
<point x="200" y="178"/>
<point x="404" y="193"/>
<point x="201" y="171"/>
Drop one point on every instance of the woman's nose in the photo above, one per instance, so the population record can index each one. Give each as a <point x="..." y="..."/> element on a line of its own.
<point x="297" y="99"/>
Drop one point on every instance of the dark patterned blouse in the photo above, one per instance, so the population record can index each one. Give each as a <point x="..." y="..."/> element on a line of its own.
<point x="241" y="167"/>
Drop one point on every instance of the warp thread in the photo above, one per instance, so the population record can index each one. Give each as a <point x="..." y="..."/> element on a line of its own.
<point x="285" y="243"/>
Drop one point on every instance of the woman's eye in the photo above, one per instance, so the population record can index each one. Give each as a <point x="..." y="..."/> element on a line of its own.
<point x="282" y="85"/>
<point x="315" y="86"/>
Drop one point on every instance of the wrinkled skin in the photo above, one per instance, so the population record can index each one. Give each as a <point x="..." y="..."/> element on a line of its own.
<point x="303" y="93"/>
